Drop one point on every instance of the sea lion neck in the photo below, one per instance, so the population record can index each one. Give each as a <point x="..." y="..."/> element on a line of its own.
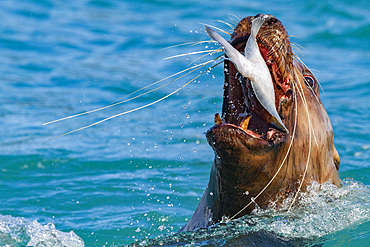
<point x="234" y="183"/>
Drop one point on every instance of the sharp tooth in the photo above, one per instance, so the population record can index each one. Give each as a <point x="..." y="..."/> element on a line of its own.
<point x="269" y="134"/>
<point x="244" y="124"/>
<point x="218" y="120"/>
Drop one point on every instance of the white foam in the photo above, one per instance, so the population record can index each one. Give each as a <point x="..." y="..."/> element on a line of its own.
<point x="18" y="231"/>
<point x="320" y="211"/>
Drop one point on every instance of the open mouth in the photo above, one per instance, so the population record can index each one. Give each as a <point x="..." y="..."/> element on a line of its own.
<point x="257" y="90"/>
<point x="242" y="110"/>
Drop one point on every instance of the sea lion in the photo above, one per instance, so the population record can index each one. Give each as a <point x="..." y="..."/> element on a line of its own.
<point x="255" y="162"/>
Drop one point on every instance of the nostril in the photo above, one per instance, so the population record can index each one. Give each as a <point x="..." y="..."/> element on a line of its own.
<point x="260" y="15"/>
<point x="271" y="20"/>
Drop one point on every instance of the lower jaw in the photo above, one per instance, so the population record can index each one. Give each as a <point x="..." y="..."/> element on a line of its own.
<point x="231" y="138"/>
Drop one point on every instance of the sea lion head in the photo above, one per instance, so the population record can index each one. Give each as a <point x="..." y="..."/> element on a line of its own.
<point x="256" y="163"/>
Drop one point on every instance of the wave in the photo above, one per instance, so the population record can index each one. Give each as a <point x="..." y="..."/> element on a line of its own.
<point x="19" y="231"/>
<point x="322" y="210"/>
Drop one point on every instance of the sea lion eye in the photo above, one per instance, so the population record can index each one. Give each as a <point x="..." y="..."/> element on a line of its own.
<point x="309" y="80"/>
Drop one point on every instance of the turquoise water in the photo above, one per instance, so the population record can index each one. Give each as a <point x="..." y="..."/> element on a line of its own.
<point x="139" y="177"/>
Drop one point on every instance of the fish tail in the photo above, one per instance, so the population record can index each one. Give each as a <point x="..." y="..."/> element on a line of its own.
<point x="256" y="25"/>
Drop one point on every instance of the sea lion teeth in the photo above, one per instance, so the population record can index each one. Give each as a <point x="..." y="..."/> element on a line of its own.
<point x="244" y="124"/>
<point x="269" y="134"/>
<point x="218" y="120"/>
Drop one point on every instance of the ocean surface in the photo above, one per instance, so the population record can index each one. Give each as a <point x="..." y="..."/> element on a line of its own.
<point x="137" y="178"/>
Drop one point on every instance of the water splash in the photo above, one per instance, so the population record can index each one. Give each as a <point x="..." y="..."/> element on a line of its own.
<point x="18" y="231"/>
<point x="322" y="210"/>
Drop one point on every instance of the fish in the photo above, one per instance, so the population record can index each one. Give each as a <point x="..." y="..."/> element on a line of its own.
<point x="252" y="66"/>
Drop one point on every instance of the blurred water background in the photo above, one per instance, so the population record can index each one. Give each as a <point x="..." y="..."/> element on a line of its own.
<point x="139" y="177"/>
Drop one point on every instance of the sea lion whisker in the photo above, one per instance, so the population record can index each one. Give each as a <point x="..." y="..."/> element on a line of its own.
<point x="188" y="43"/>
<point x="310" y="88"/>
<point x="226" y="23"/>
<point x="297" y="48"/>
<point x="308" y="112"/>
<point x="313" y="92"/>
<point x="140" y="107"/>
<point x="217" y="28"/>
<point x="309" y="148"/>
<point x="232" y="15"/>
<point x="215" y="59"/>
<point x="163" y="79"/>
<point x="272" y="49"/>
<point x="299" y="59"/>
<point x="277" y="46"/>
<point x="195" y="67"/>
<point x="193" y="53"/>
<point x="298" y="45"/>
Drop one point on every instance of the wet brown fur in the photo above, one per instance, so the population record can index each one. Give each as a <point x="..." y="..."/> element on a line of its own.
<point x="242" y="165"/>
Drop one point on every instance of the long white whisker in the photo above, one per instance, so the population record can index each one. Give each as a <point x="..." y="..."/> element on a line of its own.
<point x="309" y="147"/>
<point x="192" y="53"/>
<point x="228" y="24"/>
<point x="188" y="43"/>
<point x="217" y="28"/>
<point x="124" y="101"/>
<point x="311" y="89"/>
<point x="308" y="114"/>
<point x="238" y="19"/>
<point x="192" y="62"/>
<point x="298" y="45"/>
<point x="133" y="110"/>
<point x="297" y="48"/>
